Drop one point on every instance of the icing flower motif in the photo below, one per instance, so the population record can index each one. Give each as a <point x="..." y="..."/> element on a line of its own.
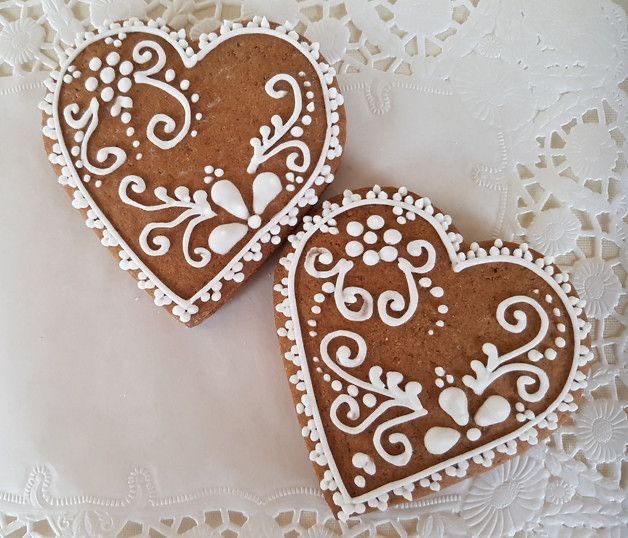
<point x="20" y="41"/>
<point x="590" y="151"/>
<point x="554" y="232"/>
<point x="596" y="283"/>
<point x="333" y="37"/>
<point x="501" y="502"/>
<point x="559" y="491"/>
<point x="601" y="430"/>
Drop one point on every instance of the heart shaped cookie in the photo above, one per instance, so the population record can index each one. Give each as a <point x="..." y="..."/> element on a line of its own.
<point x="193" y="162"/>
<point x="416" y="360"/>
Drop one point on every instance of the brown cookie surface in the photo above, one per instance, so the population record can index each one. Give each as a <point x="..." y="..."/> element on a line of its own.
<point x="415" y="359"/>
<point x="193" y="160"/>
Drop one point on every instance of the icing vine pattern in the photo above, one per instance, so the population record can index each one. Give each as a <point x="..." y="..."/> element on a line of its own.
<point x="361" y="403"/>
<point x="282" y="136"/>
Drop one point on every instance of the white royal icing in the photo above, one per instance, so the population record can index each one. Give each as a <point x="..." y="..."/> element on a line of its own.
<point x="381" y="392"/>
<point x="147" y="68"/>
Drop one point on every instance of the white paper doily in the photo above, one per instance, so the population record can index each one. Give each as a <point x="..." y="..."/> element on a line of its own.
<point x="115" y="420"/>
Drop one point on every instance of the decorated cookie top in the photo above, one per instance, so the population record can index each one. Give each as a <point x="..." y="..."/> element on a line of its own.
<point x="415" y="359"/>
<point x="193" y="160"/>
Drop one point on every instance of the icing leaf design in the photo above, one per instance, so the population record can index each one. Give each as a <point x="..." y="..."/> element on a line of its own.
<point x="267" y="145"/>
<point x="196" y="208"/>
<point x="496" y="364"/>
<point x="395" y="395"/>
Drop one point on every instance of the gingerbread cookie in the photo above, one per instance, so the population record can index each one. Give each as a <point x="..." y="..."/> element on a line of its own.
<point x="414" y="359"/>
<point x="192" y="161"/>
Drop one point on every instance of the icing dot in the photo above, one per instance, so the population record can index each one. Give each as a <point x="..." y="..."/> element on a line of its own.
<point x="439" y="370"/>
<point x="437" y="291"/>
<point x="254" y="221"/>
<point x="136" y="143"/>
<point x="319" y="297"/>
<point x="75" y="151"/>
<point x="219" y="172"/>
<point x="112" y="58"/>
<point x="208" y="169"/>
<point x="126" y="68"/>
<point x="106" y="94"/>
<point x="336" y="385"/>
<point x="91" y="84"/>
<point x="359" y="481"/>
<point x="126" y="117"/>
<point x="326" y="377"/>
<point x="548" y="298"/>
<point x="313" y="333"/>
<point x="117" y="43"/>
<point x="76" y="74"/>
<point x="354" y="248"/>
<point x="440" y="323"/>
<point x="316" y="309"/>
<point x="370" y="238"/>
<point x="98" y="183"/>
<point x="107" y="75"/>
<point x="354" y="228"/>
<point x="520" y="407"/>
<point x="369" y="400"/>
<point x="556" y="312"/>
<point x="169" y="75"/>
<point x="352" y="390"/>
<point x="208" y="179"/>
<point x="296" y="131"/>
<point x="388" y="253"/>
<point x="306" y="120"/>
<point x="194" y="98"/>
<point x="425" y="282"/>
<point x="310" y="107"/>
<point x="443" y="309"/>
<point x="78" y="136"/>
<point x="449" y="378"/>
<point x="328" y="287"/>
<point x="198" y="116"/>
<point x="307" y="84"/>
<point x="550" y="354"/>
<point x="67" y="78"/>
<point x="87" y="178"/>
<point x="124" y="84"/>
<point x="109" y="40"/>
<point x="185" y="84"/>
<point x="560" y="342"/>
<point x="95" y="64"/>
<point x="473" y="434"/>
<point x="138" y="157"/>
<point x="309" y="95"/>
<point x="392" y="237"/>
<point x="439" y="382"/>
<point x="561" y="327"/>
<point x="375" y="222"/>
<point x="193" y="133"/>
<point x="130" y="131"/>
<point x="370" y="257"/>
<point x="430" y="332"/>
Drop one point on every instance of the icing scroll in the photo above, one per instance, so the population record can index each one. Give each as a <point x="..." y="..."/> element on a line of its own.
<point x="268" y="144"/>
<point x="496" y="364"/>
<point x="89" y="119"/>
<point x="142" y="54"/>
<point x="396" y="396"/>
<point x="196" y="208"/>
